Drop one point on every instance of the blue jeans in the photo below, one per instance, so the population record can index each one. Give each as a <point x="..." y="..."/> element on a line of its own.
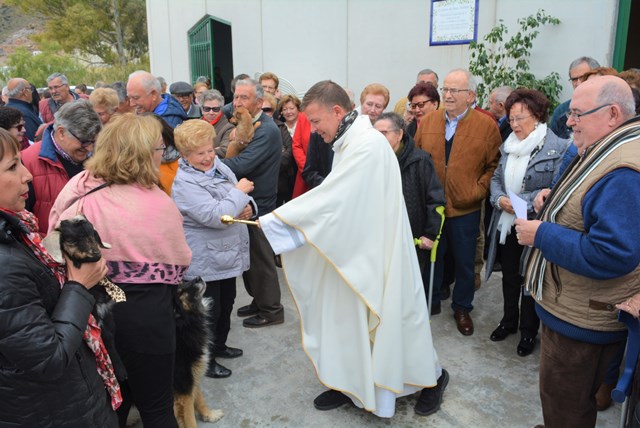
<point x="460" y="235"/>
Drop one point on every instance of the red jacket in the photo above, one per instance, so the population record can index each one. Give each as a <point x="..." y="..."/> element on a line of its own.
<point x="299" y="148"/>
<point x="49" y="177"/>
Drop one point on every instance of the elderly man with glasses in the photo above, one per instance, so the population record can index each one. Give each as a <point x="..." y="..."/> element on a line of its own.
<point x="61" y="94"/>
<point x="464" y="145"/>
<point x="65" y="145"/>
<point x="586" y="252"/>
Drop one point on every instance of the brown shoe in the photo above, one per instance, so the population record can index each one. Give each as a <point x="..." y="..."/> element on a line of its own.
<point x="603" y="397"/>
<point x="477" y="282"/>
<point x="464" y="322"/>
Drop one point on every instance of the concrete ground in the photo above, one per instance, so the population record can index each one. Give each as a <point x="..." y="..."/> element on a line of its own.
<point x="274" y="384"/>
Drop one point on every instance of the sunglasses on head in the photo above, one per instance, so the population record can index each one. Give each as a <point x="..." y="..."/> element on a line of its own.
<point x="208" y="109"/>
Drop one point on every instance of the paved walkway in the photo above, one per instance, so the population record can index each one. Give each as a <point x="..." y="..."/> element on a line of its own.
<point x="274" y="384"/>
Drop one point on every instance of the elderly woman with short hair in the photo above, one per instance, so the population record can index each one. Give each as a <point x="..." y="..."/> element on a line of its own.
<point x="530" y="157"/>
<point x="423" y="98"/>
<point x="119" y="194"/>
<point x="204" y="190"/>
<point x="211" y="103"/>
<point x="105" y="102"/>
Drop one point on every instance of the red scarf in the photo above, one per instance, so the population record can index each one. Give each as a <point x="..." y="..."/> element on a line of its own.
<point x="91" y="335"/>
<point x="214" y="121"/>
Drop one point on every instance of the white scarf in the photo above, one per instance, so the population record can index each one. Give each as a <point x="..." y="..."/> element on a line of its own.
<point x="519" y="154"/>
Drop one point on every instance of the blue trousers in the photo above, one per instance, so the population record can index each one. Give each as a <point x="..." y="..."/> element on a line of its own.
<point x="459" y="234"/>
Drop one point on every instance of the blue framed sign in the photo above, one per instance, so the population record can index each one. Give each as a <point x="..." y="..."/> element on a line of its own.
<point x="453" y="22"/>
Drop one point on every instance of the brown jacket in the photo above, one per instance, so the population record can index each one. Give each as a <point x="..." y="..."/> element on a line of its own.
<point x="474" y="157"/>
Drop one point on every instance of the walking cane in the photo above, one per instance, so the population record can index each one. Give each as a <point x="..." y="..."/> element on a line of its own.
<point x="434" y="251"/>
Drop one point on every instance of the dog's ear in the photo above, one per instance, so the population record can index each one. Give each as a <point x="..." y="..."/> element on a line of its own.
<point x="99" y="240"/>
<point x="52" y="245"/>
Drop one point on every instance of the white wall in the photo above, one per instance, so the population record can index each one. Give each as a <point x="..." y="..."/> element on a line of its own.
<point x="356" y="42"/>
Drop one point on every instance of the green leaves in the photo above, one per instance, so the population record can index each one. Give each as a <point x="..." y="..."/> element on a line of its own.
<point x="507" y="64"/>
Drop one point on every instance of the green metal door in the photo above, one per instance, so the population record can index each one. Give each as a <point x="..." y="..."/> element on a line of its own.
<point x="201" y="49"/>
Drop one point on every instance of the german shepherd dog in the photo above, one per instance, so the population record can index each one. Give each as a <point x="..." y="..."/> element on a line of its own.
<point x="80" y="242"/>
<point x="192" y="354"/>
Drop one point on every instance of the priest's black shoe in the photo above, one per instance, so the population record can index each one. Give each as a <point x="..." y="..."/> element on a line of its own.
<point x="501" y="333"/>
<point x="431" y="398"/>
<point x="258" y="321"/>
<point x="229" y="353"/>
<point x="247" y="311"/>
<point x="330" y="400"/>
<point x="217" y="371"/>
<point x="526" y="345"/>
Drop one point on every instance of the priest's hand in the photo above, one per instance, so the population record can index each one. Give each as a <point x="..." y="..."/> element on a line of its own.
<point x="425" y="243"/>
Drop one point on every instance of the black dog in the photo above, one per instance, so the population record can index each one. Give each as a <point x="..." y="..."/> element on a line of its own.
<point x="192" y="354"/>
<point x="80" y="242"/>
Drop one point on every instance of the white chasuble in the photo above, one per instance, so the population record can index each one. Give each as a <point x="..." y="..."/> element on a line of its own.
<point x="355" y="277"/>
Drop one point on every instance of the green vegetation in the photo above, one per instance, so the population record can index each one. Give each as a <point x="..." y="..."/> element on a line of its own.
<point x="506" y="63"/>
<point x="88" y="40"/>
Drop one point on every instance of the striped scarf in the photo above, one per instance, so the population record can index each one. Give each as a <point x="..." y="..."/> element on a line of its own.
<point x="575" y="174"/>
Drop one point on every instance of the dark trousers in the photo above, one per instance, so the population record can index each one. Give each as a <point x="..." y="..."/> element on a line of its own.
<point x="261" y="280"/>
<point x="459" y="235"/>
<point x="150" y="388"/>
<point x="570" y="374"/>
<point x="223" y="293"/>
<point x="517" y="306"/>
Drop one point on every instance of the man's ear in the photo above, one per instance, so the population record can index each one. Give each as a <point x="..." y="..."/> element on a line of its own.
<point x="338" y="110"/>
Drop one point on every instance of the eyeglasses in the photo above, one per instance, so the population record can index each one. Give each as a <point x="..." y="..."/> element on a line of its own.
<point x="56" y="87"/>
<point x="453" y="91"/>
<point x="82" y="143"/>
<point x="162" y="148"/>
<point x="515" y="120"/>
<point x="267" y="109"/>
<point x="208" y="109"/>
<point x="19" y="127"/>
<point x="576" y="116"/>
<point x="421" y="104"/>
<point x="576" y="79"/>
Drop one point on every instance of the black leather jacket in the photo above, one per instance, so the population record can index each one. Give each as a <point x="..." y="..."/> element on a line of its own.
<point x="48" y="375"/>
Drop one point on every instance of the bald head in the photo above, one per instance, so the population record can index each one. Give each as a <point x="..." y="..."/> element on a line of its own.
<point x="144" y="91"/>
<point x="19" y="88"/>
<point x="599" y="105"/>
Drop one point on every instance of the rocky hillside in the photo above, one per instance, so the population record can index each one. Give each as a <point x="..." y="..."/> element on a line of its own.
<point x="15" y="29"/>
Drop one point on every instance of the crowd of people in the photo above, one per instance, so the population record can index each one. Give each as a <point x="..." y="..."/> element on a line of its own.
<point x="544" y="196"/>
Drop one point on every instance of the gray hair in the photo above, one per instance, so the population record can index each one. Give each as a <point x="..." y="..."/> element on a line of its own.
<point x="472" y="85"/>
<point x="79" y="118"/>
<point x="251" y="82"/>
<point x="211" y="95"/>
<point x="427" y="71"/>
<point x="240" y="76"/>
<point x="148" y="81"/>
<point x="162" y="80"/>
<point x="351" y="95"/>
<point x="19" y="87"/>
<point x="121" y="89"/>
<point x="592" y="63"/>
<point x="501" y="93"/>
<point x="62" y="77"/>
<point x="396" y="120"/>
<point x="620" y="95"/>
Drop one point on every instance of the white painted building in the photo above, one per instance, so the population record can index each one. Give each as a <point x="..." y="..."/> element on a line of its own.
<point x="356" y="42"/>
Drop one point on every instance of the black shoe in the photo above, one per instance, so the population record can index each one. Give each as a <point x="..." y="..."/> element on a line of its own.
<point x="526" y="345"/>
<point x="258" y="321"/>
<point x="497" y="267"/>
<point x="431" y="398"/>
<point x="436" y="309"/>
<point x="330" y="400"/>
<point x="217" y="371"/>
<point x="501" y="333"/>
<point x="445" y="292"/>
<point x="229" y="353"/>
<point x="247" y="311"/>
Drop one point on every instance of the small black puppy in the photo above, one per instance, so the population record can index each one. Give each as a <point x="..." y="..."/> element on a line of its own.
<point x="80" y="242"/>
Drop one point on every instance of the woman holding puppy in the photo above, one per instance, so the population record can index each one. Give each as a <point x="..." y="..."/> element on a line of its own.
<point x="147" y="258"/>
<point x="48" y="372"/>
<point x="205" y="189"/>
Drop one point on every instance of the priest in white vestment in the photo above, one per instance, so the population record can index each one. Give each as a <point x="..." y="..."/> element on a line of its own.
<point x="348" y="258"/>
